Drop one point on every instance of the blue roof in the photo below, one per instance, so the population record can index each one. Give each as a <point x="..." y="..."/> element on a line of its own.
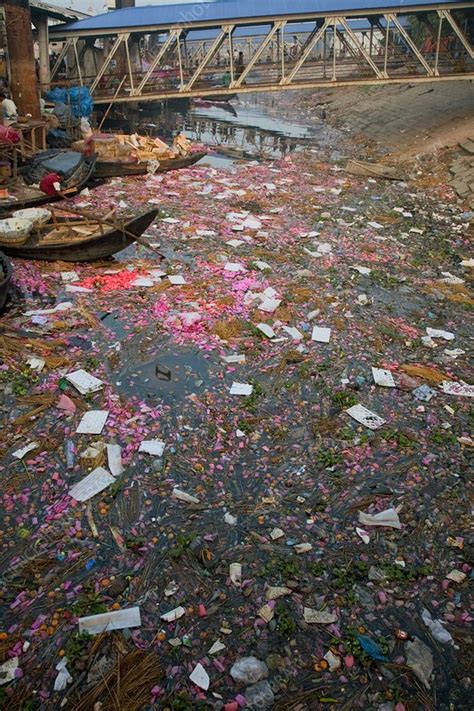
<point x="205" y="13"/>
<point x="292" y="28"/>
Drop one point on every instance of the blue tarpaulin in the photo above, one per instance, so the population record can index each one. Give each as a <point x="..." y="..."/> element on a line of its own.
<point x="78" y="97"/>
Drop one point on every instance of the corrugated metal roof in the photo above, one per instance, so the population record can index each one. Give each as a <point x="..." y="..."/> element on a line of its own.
<point x="205" y="13"/>
<point x="293" y="28"/>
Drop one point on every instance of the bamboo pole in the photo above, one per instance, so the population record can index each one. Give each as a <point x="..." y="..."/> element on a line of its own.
<point x="112" y="102"/>
<point x="107" y="223"/>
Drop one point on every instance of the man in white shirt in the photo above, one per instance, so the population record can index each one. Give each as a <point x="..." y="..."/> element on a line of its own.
<point x="8" y="110"/>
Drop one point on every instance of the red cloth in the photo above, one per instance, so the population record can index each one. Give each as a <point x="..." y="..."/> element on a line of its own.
<point x="9" y="135"/>
<point x="47" y="184"/>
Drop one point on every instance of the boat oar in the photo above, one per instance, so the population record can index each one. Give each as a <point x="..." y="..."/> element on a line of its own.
<point x="111" y="103"/>
<point x="107" y="223"/>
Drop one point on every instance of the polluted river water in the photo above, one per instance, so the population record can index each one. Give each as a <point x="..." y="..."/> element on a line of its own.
<point x="267" y="507"/>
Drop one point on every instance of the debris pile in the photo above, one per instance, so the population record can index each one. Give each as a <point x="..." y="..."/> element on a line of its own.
<point x="239" y="477"/>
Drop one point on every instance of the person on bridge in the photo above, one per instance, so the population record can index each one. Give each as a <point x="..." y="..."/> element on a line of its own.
<point x="239" y="65"/>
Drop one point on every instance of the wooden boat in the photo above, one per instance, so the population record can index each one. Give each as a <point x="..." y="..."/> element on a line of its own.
<point x="223" y="105"/>
<point x="79" y="240"/>
<point x="23" y="196"/>
<point x="219" y="98"/>
<point x="6" y="272"/>
<point x="112" y="169"/>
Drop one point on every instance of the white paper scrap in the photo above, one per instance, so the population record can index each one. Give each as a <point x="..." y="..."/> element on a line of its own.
<point x="143" y="281"/>
<point x="321" y="334"/>
<point x="363" y="534"/>
<point x="7" y="670"/>
<point x="293" y="332"/>
<point x="457" y="576"/>
<point x="235" y="242"/>
<point x="217" y="647"/>
<point x="262" y="265"/>
<point x="93" y="422"/>
<point x="36" y="363"/>
<point x="73" y="289"/>
<point x="269" y="305"/>
<point x="176" y="279"/>
<point x="241" y="389"/>
<point x="324" y="248"/>
<point x="266" y="330"/>
<point x="156" y="274"/>
<point x="236" y="358"/>
<point x="153" y="446"/>
<point x="333" y="660"/>
<point x="84" y="382"/>
<point x="252" y="223"/>
<point x="20" y="453"/>
<point x="233" y="267"/>
<point x="92" y="484"/>
<point x="362" y="270"/>
<point x="303" y="548"/>
<point x="266" y="612"/>
<point x="383" y="377"/>
<point x="437" y="333"/>
<point x="173" y="615"/>
<point x="461" y="389"/>
<point x="69" y="277"/>
<point x="235" y="574"/>
<point x="318" y="617"/>
<point x="63" y="306"/>
<point x="181" y="495"/>
<point x="365" y="417"/>
<point x="114" y="459"/>
<point x="274" y="592"/>
<point x="276" y="533"/>
<point x="389" y="518"/>
<point x="200" y="677"/>
<point x="269" y="292"/>
<point x="108" y="621"/>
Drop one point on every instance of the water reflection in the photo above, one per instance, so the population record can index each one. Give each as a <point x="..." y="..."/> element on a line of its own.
<point x="236" y="130"/>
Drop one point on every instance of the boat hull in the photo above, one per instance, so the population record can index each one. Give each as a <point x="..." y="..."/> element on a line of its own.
<point x="89" y="249"/>
<point x="108" y="169"/>
<point x="5" y="283"/>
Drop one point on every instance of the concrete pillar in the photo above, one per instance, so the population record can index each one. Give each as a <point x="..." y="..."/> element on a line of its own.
<point x="43" y="44"/>
<point x="21" y="56"/>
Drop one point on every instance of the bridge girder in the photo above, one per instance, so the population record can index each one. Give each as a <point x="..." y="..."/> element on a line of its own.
<point x="404" y="46"/>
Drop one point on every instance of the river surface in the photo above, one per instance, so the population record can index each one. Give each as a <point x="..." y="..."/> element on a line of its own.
<point x="247" y="128"/>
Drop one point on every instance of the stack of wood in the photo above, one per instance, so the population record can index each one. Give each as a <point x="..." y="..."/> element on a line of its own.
<point x="132" y="148"/>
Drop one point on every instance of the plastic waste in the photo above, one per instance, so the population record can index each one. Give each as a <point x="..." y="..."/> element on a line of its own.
<point x="260" y="695"/>
<point x="420" y="660"/>
<point x="371" y="648"/>
<point x="248" y="670"/>
<point x="69" y="454"/>
<point x="436" y="628"/>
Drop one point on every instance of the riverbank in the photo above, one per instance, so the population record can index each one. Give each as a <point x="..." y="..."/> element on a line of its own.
<point x="240" y="519"/>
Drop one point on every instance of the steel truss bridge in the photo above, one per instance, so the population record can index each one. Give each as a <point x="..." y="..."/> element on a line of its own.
<point x="156" y="53"/>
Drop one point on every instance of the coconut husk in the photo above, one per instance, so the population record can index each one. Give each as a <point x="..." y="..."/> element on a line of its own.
<point x="232" y="328"/>
<point x="126" y="686"/>
<point x="424" y="372"/>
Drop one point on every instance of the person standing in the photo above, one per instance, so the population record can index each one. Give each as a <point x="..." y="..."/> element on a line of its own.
<point x="8" y="110"/>
<point x="239" y="65"/>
